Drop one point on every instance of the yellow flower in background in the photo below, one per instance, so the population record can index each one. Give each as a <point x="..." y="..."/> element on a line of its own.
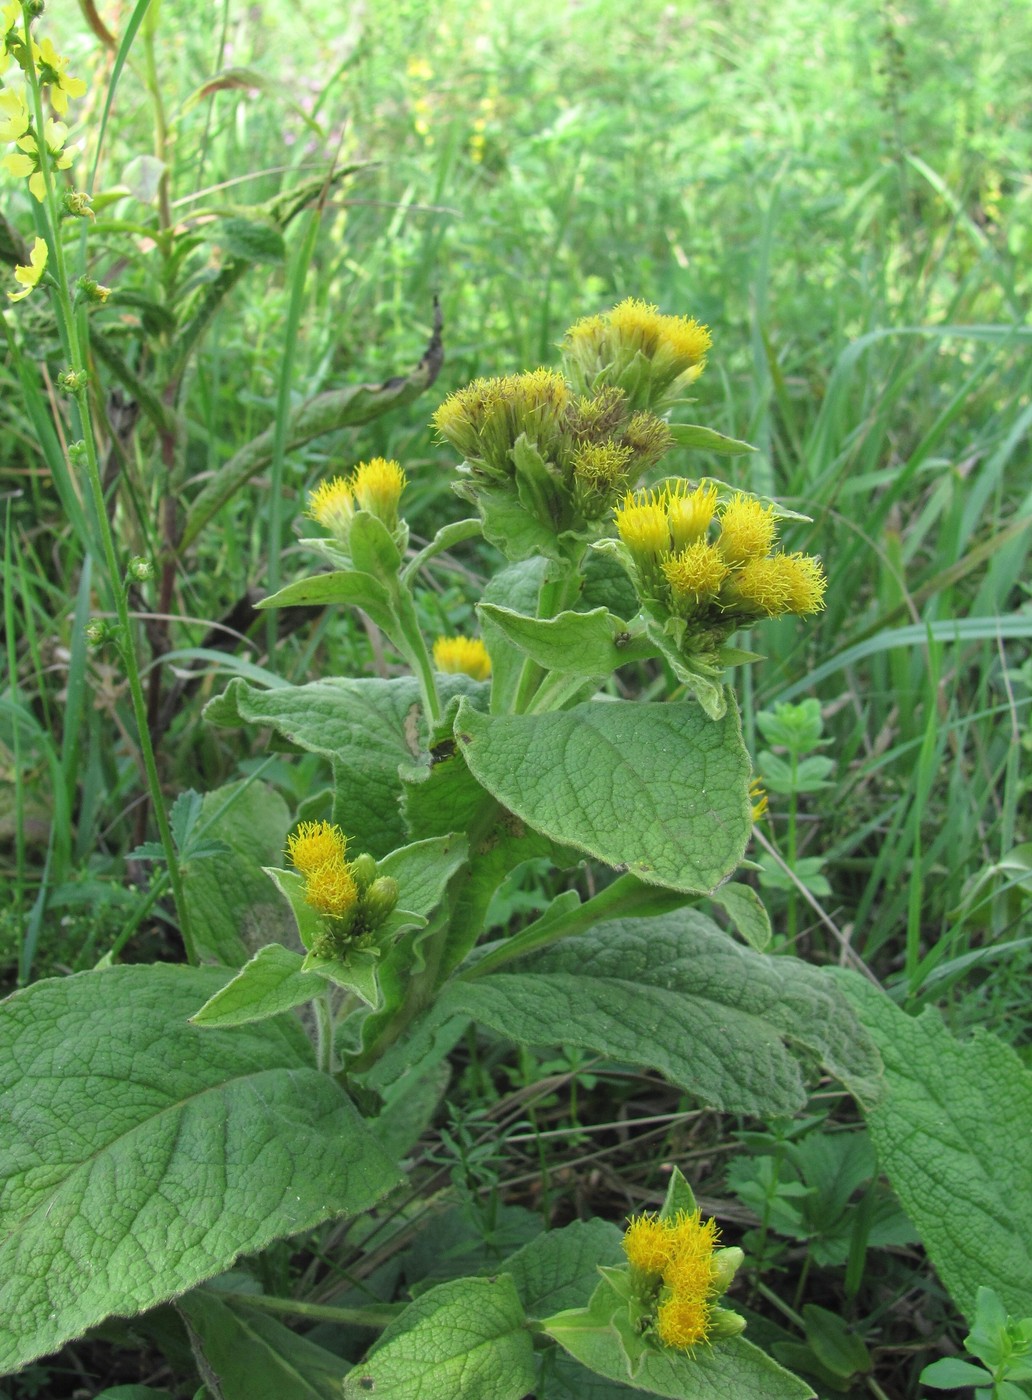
<point x="313" y="844"/>
<point x="29" y="276"/>
<point x="26" y="161"/>
<point x="747" y="529"/>
<point x="758" y="798"/>
<point x="14" y="115"/>
<point x="52" y="70"/>
<point x="332" y="505"/>
<point x="377" y="486"/>
<point x="10" y="27"/>
<point x="462" y="655"/>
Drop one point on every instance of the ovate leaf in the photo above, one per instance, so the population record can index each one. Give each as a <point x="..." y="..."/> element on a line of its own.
<point x="952" y="1135"/>
<point x="583" y="644"/>
<point x="559" y="1269"/>
<point x="677" y="995"/>
<point x="270" y="983"/>
<point x="464" y="1338"/>
<point x="747" y="912"/>
<point x="347" y="587"/>
<point x="141" y="1154"/>
<point x="253" y="1356"/>
<point x="658" y="789"/>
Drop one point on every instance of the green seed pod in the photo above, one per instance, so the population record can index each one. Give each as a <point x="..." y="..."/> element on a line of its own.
<point x="363" y="872"/>
<point x="380" y="899"/>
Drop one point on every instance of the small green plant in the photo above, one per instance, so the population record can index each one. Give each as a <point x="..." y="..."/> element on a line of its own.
<point x="1003" y="1345"/>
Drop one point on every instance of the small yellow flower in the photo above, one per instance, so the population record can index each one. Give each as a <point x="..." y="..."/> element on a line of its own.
<point x="331" y="889"/>
<point x="465" y="655"/>
<point x="689" y="512"/>
<point x="377" y="486"/>
<point x="29" y="276"/>
<point x="314" y="844"/>
<point x="761" y="586"/>
<point x="332" y="505"/>
<point x="52" y="70"/>
<point x="805" y="582"/>
<point x="758" y="798"/>
<point x="27" y="163"/>
<point x="641" y="523"/>
<point x="683" y="1322"/>
<point x="15" y="120"/>
<point x="647" y="1243"/>
<point x="693" y="1236"/>
<point x="747" y="529"/>
<point x="696" y="573"/>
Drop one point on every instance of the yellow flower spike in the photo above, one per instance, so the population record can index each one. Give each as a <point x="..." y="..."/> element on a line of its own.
<point x="747" y="529"/>
<point x="647" y="1243"/>
<point x="641" y="523"/>
<point x="805" y="582"/>
<point x="29" y="276"/>
<point x="683" y="1322"/>
<point x="689" y="512"/>
<point x="14" y="122"/>
<point x="52" y="70"/>
<point x="377" y="486"/>
<point x="314" y="844"/>
<point x="332" y="505"/>
<point x="758" y="798"/>
<point x="696" y="573"/>
<point x="462" y="655"/>
<point x="331" y="889"/>
<point x="761" y="586"/>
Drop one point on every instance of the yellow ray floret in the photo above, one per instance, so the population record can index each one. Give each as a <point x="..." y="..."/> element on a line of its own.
<point x="683" y="1322"/>
<point x="647" y="1243"/>
<point x="313" y="844"/>
<point x="333" y="506"/>
<point x="747" y="529"/>
<point x="696" y="573"/>
<point x="377" y="486"/>
<point x="331" y="888"/>
<point x="465" y="655"/>
<point x="689" y="512"/>
<point x="641" y="523"/>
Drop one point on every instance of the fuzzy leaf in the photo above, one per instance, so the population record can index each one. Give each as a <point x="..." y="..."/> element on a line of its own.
<point x="250" y="240"/>
<point x="143" y="1154"/>
<point x="348" y="586"/>
<point x="678" y="995"/>
<point x="657" y="789"/>
<point x="747" y="912"/>
<point x="467" y="1337"/>
<point x="559" y="1269"/>
<point x="706" y="440"/>
<point x="270" y="983"/>
<point x="581" y="644"/>
<point x="253" y="1356"/>
<point x="952" y="1135"/>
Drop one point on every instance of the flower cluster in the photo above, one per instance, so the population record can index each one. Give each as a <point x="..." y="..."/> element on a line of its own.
<point x="635" y="347"/>
<point x="17" y="120"/>
<point x="462" y="656"/>
<point x="349" y="894"/>
<point x="709" y="564"/>
<point x="373" y="486"/>
<point x="681" y="1273"/>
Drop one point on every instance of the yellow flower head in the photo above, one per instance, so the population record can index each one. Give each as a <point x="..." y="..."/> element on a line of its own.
<point x="690" y="512"/>
<point x="761" y="586"/>
<point x="333" y="506"/>
<point x="377" y="486"/>
<point x="330" y="888"/>
<point x="641" y="523"/>
<point x="465" y="655"/>
<point x="29" y="276"/>
<point x="805" y="582"/>
<point x="747" y="529"/>
<point x="484" y="420"/>
<point x="52" y="70"/>
<point x="683" y="1322"/>
<point x="601" y="466"/>
<point x="693" y="1236"/>
<point x="647" y="1243"/>
<point x="25" y="162"/>
<point x="314" y="844"/>
<point x="678" y="340"/>
<point x="696" y="573"/>
<point x="758" y="798"/>
<point x="14" y="121"/>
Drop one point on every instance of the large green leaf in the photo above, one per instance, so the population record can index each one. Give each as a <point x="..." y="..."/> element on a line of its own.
<point x="465" y="1338"/>
<point x="732" y="1369"/>
<point x="366" y="727"/>
<point x="559" y="1269"/>
<point x="141" y="1155"/>
<point x="658" y="789"/>
<point x="232" y="907"/>
<point x="678" y="995"/>
<point x="579" y="643"/>
<point x="952" y="1133"/>
<point x="251" y="1356"/>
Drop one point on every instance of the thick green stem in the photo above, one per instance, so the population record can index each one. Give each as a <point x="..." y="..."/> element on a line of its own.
<point x="555" y="596"/>
<point x="413" y="645"/>
<point x="324" y="1031"/>
<point x="625" y="897"/>
<point x="75" y="345"/>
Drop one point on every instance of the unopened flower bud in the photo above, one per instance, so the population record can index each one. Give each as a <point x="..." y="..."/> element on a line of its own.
<point x="726" y="1264"/>
<point x="78" y="204"/>
<point x="92" y="292"/>
<point x="77" y="454"/>
<point x="724" y="1323"/>
<point x="73" y="381"/>
<point x="98" y="631"/>
<point x="140" y="569"/>
<point x="363" y="871"/>
<point x="380" y="899"/>
<point x="34" y="9"/>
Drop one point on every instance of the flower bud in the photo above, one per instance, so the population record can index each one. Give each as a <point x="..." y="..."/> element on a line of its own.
<point x="363" y="871"/>
<point x="726" y="1264"/>
<point x="77" y="454"/>
<point x="78" y="204"/>
<point x="140" y="569"/>
<point x="724" y="1323"/>
<point x="92" y="292"/>
<point x="73" y="381"/>
<point x="380" y="899"/>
